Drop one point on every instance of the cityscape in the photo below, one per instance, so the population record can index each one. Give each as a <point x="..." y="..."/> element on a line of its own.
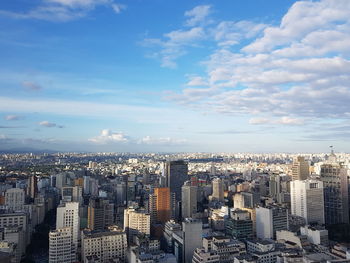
<point x="174" y="131"/>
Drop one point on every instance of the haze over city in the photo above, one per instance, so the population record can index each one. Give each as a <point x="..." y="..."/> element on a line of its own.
<point x="175" y="76"/>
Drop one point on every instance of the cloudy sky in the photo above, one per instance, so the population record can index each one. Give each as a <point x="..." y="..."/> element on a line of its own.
<point x="175" y="75"/>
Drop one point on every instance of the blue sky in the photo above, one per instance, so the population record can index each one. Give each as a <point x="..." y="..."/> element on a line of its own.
<point x="233" y="76"/>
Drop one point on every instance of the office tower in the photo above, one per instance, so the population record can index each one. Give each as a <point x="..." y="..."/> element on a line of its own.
<point x="72" y="194"/>
<point x="176" y="173"/>
<point x="275" y="185"/>
<point x="136" y="222"/>
<point x="269" y="220"/>
<point x="104" y="246"/>
<point x="61" y="247"/>
<point x="32" y="187"/>
<point x="188" y="200"/>
<point x="239" y="225"/>
<point x="160" y="205"/>
<point x="68" y="216"/>
<point x="218" y="190"/>
<point x="336" y="192"/>
<point x="192" y="237"/>
<point x="307" y="200"/>
<point x="14" y="199"/>
<point x="146" y="177"/>
<point x="300" y="168"/>
<point x="100" y="214"/>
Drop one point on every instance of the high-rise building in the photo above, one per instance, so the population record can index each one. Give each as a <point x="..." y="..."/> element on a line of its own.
<point x="136" y="222"/>
<point x="100" y="214"/>
<point x="192" y="237"/>
<point x="307" y="200"/>
<point x="68" y="216"/>
<point x="61" y="248"/>
<point x="239" y="225"/>
<point x="103" y="246"/>
<point x="218" y="190"/>
<point x="336" y="192"/>
<point x="160" y="205"/>
<point x="32" y="187"/>
<point x="176" y="174"/>
<point x="72" y="194"/>
<point x="14" y="199"/>
<point x="269" y="220"/>
<point x="300" y="168"/>
<point x="188" y="200"/>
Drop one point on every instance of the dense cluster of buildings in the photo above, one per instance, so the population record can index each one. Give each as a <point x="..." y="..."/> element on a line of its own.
<point x="184" y="208"/>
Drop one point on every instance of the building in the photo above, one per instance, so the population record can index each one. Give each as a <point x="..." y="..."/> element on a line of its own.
<point x="136" y="222"/>
<point x="160" y="205"/>
<point x="307" y="200"/>
<point x="218" y="190"/>
<point x="68" y="217"/>
<point x="176" y="174"/>
<point x="239" y="225"/>
<point x="61" y="247"/>
<point x="187" y="240"/>
<point x="202" y="256"/>
<point x="100" y="214"/>
<point x="315" y="235"/>
<point x="72" y="194"/>
<point x="171" y="227"/>
<point x="19" y="220"/>
<point x="269" y="220"/>
<point x="32" y="186"/>
<point x="14" y="237"/>
<point x="300" y="168"/>
<point x="336" y="192"/>
<point x="188" y="200"/>
<point x="104" y="245"/>
<point x="14" y="199"/>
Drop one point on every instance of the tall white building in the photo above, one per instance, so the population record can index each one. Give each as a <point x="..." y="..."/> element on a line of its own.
<point x="188" y="200"/>
<point x="218" y="190"/>
<point x="61" y="248"/>
<point x="300" y="168"/>
<point x="192" y="237"/>
<point x="269" y="220"/>
<point x="68" y="216"/>
<point x="136" y="222"/>
<point x="14" y="199"/>
<point x="104" y="245"/>
<point x="307" y="200"/>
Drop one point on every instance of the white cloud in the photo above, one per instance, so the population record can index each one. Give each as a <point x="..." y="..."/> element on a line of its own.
<point x="197" y="15"/>
<point x="161" y="141"/>
<point x="289" y="72"/>
<point x="62" y="10"/>
<point x="13" y="117"/>
<point x="108" y="136"/>
<point x="258" y="121"/>
<point x="50" y="124"/>
<point x="196" y="81"/>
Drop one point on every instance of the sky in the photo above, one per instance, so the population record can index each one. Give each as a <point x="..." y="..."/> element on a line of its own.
<point x="175" y="75"/>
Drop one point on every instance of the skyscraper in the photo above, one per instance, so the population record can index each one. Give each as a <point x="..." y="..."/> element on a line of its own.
<point x="336" y="192"/>
<point x="307" y="200"/>
<point x="100" y="214"/>
<point x="176" y="173"/>
<point x="269" y="220"/>
<point x="68" y="216"/>
<point x="218" y="190"/>
<point x="14" y="199"/>
<point x="136" y="222"/>
<point x="188" y="200"/>
<point x="60" y="246"/>
<point x="300" y="168"/>
<point x="32" y="187"/>
<point x="160" y="205"/>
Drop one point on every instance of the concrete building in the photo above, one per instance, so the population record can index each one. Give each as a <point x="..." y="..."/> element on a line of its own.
<point x="136" y="222"/>
<point x="269" y="220"/>
<point x="218" y="190"/>
<point x="307" y="200"/>
<point x="61" y="247"/>
<point x="300" y="168"/>
<point x="72" y="194"/>
<point x="68" y="217"/>
<point x="14" y="199"/>
<point x="103" y="246"/>
<point x="315" y="235"/>
<point x="239" y="225"/>
<point x="202" y="256"/>
<point x="100" y="214"/>
<point x="188" y="200"/>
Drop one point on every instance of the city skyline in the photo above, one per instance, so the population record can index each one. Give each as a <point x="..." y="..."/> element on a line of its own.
<point x="175" y="76"/>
